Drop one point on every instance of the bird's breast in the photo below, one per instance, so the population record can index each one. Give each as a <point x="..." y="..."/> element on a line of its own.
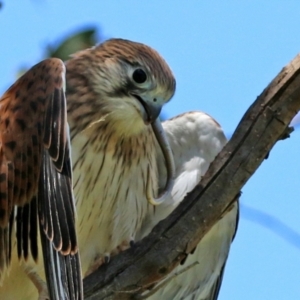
<point x="109" y="185"/>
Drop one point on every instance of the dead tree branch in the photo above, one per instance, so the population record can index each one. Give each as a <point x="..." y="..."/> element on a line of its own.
<point x="265" y="122"/>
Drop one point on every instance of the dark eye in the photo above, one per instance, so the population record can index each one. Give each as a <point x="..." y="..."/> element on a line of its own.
<point x="139" y="76"/>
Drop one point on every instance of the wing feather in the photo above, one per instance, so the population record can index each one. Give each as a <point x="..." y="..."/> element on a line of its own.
<point x="215" y="289"/>
<point x="195" y="139"/>
<point x="35" y="175"/>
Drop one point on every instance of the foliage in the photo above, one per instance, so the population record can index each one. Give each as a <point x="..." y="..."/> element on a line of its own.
<point x="76" y="42"/>
<point x="80" y="40"/>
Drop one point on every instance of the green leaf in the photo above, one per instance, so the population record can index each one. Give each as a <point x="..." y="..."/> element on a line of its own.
<point x="79" y="41"/>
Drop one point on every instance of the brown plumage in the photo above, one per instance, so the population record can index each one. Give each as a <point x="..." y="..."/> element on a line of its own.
<point x="115" y="92"/>
<point x="122" y="158"/>
<point x="113" y="143"/>
<point x="117" y="159"/>
<point x="34" y="158"/>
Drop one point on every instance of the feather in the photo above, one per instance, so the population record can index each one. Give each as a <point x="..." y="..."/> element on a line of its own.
<point x="35" y="175"/>
<point x="195" y="139"/>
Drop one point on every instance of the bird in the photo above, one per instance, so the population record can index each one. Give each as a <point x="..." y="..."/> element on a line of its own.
<point x="115" y="92"/>
<point x="34" y="161"/>
<point x="131" y="171"/>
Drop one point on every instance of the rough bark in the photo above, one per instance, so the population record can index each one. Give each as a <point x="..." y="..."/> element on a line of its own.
<point x="265" y="122"/>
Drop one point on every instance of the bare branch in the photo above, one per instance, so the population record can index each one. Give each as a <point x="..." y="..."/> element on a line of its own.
<point x="266" y="121"/>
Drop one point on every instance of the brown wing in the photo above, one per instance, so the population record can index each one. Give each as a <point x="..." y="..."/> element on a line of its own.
<point x="30" y="119"/>
<point x="35" y="168"/>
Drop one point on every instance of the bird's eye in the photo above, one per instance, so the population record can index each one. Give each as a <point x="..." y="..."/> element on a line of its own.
<point x="139" y="76"/>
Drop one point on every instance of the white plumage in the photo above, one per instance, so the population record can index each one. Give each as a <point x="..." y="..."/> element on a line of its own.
<point x="195" y="139"/>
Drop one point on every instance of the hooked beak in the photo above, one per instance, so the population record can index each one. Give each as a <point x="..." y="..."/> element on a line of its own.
<point x="152" y="110"/>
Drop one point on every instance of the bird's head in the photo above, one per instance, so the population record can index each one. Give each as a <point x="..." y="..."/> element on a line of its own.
<point x="121" y="86"/>
<point x="132" y="82"/>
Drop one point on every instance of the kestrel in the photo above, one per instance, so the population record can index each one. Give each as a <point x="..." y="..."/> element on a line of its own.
<point x="129" y="172"/>
<point x="123" y="166"/>
<point x="36" y="188"/>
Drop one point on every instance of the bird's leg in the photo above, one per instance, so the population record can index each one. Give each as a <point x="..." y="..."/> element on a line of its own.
<point x="132" y="243"/>
<point x="124" y="246"/>
<point x="38" y="282"/>
<point x="104" y="259"/>
<point x="98" y="261"/>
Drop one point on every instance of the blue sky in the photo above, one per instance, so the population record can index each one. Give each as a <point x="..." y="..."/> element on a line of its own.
<point x="223" y="54"/>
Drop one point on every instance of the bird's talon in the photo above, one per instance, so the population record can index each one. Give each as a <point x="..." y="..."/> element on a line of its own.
<point x="106" y="259"/>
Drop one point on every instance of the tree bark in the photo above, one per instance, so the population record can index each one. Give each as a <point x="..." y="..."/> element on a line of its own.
<point x="266" y="121"/>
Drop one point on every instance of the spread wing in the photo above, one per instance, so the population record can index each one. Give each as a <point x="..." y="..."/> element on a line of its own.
<point x="35" y="176"/>
<point x="195" y="139"/>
